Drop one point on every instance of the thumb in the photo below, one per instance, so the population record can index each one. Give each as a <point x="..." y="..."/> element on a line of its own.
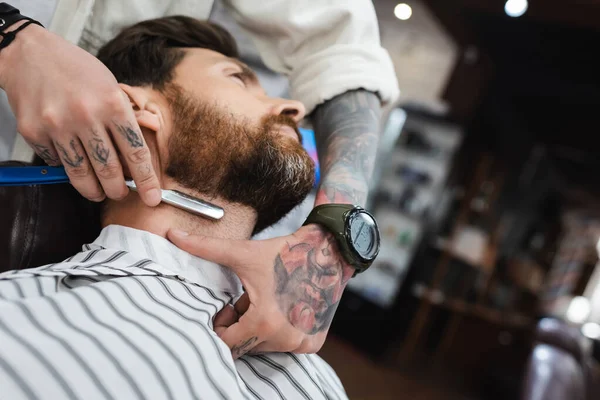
<point x="227" y="252"/>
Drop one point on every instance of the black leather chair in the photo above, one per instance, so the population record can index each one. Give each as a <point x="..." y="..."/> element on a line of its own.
<point x="561" y="366"/>
<point x="42" y="224"/>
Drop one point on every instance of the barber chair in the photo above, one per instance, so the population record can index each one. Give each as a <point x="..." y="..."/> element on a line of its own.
<point x="561" y="366"/>
<point x="43" y="224"/>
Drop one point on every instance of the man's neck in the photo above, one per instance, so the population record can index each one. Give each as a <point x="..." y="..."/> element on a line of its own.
<point x="237" y="223"/>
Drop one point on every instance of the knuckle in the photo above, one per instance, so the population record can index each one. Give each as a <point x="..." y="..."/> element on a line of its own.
<point x="108" y="171"/>
<point x="81" y="171"/>
<point x="139" y="156"/>
<point x="115" y="102"/>
<point x="315" y="345"/>
<point x="82" y="110"/>
<point x="50" y="118"/>
<point x="295" y="341"/>
<point x="28" y="129"/>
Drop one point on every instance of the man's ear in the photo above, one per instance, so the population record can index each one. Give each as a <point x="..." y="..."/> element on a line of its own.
<point x="146" y="111"/>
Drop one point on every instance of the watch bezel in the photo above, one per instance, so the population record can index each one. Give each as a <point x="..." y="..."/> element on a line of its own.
<point x="350" y="217"/>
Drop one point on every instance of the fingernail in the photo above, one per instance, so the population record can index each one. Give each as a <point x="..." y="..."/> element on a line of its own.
<point x="153" y="196"/>
<point x="178" y="232"/>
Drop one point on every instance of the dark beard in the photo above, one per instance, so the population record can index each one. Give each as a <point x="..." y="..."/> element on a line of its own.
<point x="214" y="154"/>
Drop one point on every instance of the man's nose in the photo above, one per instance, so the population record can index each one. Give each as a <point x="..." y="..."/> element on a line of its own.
<point x="291" y="108"/>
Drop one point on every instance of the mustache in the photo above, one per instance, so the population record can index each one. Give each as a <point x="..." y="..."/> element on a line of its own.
<point x="271" y="121"/>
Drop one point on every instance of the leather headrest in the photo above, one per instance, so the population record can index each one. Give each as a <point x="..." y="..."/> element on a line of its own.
<point x="43" y="224"/>
<point x="560" y="334"/>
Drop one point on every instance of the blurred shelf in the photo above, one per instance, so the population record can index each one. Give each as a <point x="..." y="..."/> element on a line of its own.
<point x="486" y="265"/>
<point x="438" y="298"/>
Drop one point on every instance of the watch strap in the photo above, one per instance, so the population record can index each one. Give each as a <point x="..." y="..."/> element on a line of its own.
<point x="9" y="16"/>
<point x="9" y="37"/>
<point x="333" y="218"/>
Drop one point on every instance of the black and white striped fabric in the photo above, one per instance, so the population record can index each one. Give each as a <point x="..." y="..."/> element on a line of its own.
<point x="130" y="317"/>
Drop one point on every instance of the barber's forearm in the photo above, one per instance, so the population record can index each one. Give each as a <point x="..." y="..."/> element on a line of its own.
<point x="347" y="134"/>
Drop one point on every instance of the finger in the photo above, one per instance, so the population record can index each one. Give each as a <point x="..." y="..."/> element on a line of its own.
<point x="47" y="152"/>
<point x="241" y="306"/>
<point x="240" y="337"/>
<point x="105" y="162"/>
<point x="288" y="342"/>
<point x="78" y="168"/>
<point x="231" y="253"/>
<point x="225" y="318"/>
<point x="132" y="146"/>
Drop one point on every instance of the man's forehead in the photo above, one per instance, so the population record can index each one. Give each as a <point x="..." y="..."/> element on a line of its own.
<point x="211" y="57"/>
<point x="208" y="59"/>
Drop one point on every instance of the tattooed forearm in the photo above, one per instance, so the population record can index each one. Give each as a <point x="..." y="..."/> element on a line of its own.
<point x="310" y="280"/>
<point x="46" y="154"/>
<point x="73" y="159"/>
<point x="347" y="132"/>
<point x="99" y="151"/>
<point x="242" y="348"/>
<point x="133" y="138"/>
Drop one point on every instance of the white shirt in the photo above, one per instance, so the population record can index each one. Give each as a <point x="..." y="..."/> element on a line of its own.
<point x="130" y="317"/>
<point x="325" y="47"/>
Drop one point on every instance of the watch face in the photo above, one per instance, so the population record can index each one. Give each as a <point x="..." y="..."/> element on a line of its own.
<point x="364" y="235"/>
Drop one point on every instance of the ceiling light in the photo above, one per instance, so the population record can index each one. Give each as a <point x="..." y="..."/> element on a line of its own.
<point x="591" y="330"/>
<point x="578" y="310"/>
<point x="403" y="11"/>
<point x="515" y="8"/>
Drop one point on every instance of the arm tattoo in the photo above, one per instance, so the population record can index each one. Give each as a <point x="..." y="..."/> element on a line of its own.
<point x="46" y="155"/>
<point x="75" y="160"/>
<point x="347" y="132"/>
<point x="242" y="348"/>
<point x="310" y="280"/>
<point x="99" y="151"/>
<point x="133" y="138"/>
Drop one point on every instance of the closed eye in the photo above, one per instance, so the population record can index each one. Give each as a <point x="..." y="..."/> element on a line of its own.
<point x="240" y="77"/>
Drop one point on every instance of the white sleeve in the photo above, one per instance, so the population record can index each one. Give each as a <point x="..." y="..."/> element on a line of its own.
<point x="326" y="47"/>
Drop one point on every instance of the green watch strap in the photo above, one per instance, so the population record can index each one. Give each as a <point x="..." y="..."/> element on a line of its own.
<point x="333" y="217"/>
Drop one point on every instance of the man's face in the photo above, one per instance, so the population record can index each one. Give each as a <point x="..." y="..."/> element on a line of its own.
<point x="229" y="139"/>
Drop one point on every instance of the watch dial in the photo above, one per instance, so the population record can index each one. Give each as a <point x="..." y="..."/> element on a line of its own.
<point x="364" y="235"/>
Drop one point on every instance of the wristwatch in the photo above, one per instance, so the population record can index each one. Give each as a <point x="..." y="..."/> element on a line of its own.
<point x="354" y="229"/>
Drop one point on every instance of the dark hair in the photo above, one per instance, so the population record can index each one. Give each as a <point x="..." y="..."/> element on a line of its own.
<point x="145" y="54"/>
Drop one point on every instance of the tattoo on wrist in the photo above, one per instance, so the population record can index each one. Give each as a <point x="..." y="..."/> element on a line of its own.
<point x="347" y="128"/>
<point x="133" y="138"/>
<point x="310" y="280"/>
<point x="99" y="151"/>
<point x="243" y="347"/>
<point x="75" y="159"/>
<point x="46" y="154"/>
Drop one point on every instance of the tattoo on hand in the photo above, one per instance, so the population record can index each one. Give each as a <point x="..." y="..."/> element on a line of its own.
<point x="310" y="280"/>
<point x="133" y="138"/>
<point x="74" y="160"/>
<point x="347" y="128"/>
<point x="46" y="155"/>
<point x="242" y="348"/>
<point x="99" y="151"/>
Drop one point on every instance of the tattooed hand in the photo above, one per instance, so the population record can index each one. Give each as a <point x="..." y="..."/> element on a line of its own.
<point x="71" y="111"/>
<point x="293" y="286"/>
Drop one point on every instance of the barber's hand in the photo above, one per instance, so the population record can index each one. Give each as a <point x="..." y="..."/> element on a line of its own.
<point x="293" y="286"/>
<point x="71" y="110"/>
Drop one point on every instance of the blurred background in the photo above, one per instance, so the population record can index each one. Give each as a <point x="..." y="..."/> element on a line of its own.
<point x="487" y="285"/>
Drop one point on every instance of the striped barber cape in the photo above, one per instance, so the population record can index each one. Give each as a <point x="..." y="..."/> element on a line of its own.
<point x="130" y="317"/>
